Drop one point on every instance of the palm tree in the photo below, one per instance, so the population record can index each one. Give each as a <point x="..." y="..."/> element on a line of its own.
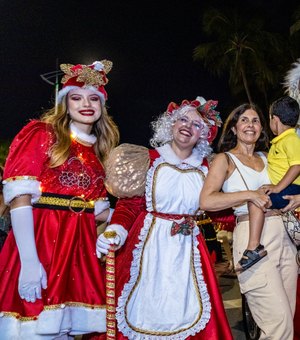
<point x="296" y="25"/>
<point x="4" y="146"/>
<point x="294" y="38"/>
<point x="239" y="47"/>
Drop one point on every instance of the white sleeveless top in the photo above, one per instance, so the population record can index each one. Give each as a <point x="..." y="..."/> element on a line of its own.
<point x="253" y="178"/>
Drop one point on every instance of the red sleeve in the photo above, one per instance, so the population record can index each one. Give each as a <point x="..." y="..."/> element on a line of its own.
<point x="28" y="152"/>
<point x="205" y="163"/>
<point x="127" y="211"/>
<point x="153" y="154"/>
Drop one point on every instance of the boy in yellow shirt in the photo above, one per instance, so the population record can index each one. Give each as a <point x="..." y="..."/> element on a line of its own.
<point x="283" y="171"/>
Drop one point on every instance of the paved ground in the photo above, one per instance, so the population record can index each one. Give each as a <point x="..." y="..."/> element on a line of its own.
<point x="232" y="300"/>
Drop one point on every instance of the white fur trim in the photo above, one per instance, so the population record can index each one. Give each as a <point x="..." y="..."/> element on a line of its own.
<point x="12" y="189"/>
<point x="20" y="208"/>
<point x="166" y="151"/>
<point x="100" y="206"/>
<point x="64" y="91"/>
<point x="201" y="100"/>
<point x="91" y="139"/>
<point x="53" y="323"/>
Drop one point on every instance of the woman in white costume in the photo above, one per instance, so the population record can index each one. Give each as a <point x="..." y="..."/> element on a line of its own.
<point x="165" y="281"/>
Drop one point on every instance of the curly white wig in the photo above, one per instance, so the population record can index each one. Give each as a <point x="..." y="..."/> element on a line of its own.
<point x="163" y="126"/>
<point x="292" y="81"/>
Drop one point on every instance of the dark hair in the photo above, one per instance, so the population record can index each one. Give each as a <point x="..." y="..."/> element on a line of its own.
<point x="286" y="109"/>
<point x="228" y="139"/>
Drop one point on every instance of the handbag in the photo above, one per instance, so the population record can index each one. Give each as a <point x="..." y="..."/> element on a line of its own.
<point x="292" y="226"/>
<point x="291" y="221"/>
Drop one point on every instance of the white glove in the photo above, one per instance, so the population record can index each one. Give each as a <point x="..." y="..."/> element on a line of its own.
<point x="103" y="244"/>
<point x="32" y="277"/>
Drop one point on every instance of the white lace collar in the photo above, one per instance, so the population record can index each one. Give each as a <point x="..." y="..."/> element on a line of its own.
<point x="170" y="156"/>
<point x="82" y="136"/>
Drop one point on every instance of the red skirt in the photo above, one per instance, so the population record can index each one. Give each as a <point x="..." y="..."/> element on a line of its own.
<point x="76" y="280"/>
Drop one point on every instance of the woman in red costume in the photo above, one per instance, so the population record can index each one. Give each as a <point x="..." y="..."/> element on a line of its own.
<point x="166" y="285"/>
<point x="54" y="184"/>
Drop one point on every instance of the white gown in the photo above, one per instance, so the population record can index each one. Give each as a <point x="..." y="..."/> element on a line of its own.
<point x="166" y="277"/>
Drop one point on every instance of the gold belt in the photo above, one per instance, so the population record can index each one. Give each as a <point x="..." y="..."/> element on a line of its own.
<point x="77" y="204"/>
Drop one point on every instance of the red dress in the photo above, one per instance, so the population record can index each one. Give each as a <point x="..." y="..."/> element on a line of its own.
<point x="74" y="301"/>
<point x="166" y="286"/>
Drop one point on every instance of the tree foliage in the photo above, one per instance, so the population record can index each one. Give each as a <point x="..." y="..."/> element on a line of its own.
<point x="239" y="45"/>
<point x="4" y="146"/>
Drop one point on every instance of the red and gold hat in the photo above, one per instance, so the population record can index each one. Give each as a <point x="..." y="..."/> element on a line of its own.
<point x="91" y="77"/>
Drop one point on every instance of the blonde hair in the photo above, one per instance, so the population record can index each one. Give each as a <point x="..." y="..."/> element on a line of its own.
<point x="104" y="129"/>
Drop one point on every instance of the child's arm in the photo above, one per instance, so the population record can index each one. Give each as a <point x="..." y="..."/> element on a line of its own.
<point x="286" y="180"/>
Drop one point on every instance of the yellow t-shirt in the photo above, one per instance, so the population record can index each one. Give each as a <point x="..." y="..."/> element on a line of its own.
<point x="284" y="152"/>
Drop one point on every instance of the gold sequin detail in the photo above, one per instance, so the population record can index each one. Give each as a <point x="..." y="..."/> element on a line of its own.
<point x="73" y="304"/>
<point x="110" y="301"/>
<point x="110" y="285"/>
<point x="110" y="309"/>
<point x="110" y="234"/>
<point x="76" y="202"/>
<point x="109" y="261"/>
<point x="110" y="332"/>
<point x="87" y="75"/>
<point x="18" y="178"/>
<point x="110" y="277"/>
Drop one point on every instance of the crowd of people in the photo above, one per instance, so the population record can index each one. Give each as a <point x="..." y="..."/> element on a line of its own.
<point x="58" y="176"/>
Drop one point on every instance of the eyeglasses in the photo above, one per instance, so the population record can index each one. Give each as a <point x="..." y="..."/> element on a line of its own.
<point x="185" y="120"/>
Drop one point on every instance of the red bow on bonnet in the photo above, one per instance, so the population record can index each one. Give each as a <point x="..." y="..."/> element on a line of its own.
<point x="207" y="110"/>
<point x="173" y="106"/>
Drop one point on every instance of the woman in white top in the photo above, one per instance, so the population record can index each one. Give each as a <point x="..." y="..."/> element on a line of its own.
<point x="233" y="180"/>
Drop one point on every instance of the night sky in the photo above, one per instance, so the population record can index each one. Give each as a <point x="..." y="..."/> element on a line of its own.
<point x="151" y="44"/>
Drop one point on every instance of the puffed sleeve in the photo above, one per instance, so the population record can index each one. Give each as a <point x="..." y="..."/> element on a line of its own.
<point x="28" y="155"/>
<point x="127" y="210"/>
<point x="126" y="170"/>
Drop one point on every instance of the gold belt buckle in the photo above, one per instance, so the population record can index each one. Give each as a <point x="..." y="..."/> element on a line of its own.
<point x="79" y="199"/>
